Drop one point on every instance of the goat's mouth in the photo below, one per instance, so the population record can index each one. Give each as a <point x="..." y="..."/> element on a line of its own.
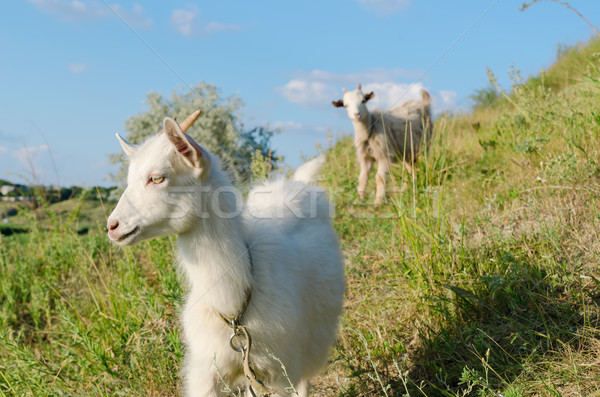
<point x="128" y="237"/>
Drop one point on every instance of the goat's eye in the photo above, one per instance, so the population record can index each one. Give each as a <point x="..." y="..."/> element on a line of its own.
<point x="156" y="179"/>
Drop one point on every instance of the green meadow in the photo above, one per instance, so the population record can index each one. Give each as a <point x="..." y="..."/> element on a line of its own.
<point x="480" y="275"/>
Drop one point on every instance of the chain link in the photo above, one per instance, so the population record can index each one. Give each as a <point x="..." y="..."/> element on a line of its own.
<point x="239" y="332"/>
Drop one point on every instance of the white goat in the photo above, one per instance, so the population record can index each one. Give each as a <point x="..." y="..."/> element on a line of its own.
<point x="272" y="266"/>
<point x="383" y="137"/>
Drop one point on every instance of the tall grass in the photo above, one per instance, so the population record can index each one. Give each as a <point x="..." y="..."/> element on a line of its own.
<point x="80" y="318"/>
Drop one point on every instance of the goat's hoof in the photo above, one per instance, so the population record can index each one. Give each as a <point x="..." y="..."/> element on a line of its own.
<point x="381" y="200"/>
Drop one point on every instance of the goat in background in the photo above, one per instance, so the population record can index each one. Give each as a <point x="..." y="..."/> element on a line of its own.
<point x="383" y="137"/>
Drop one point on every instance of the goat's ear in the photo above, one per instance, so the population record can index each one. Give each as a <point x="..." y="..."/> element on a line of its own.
<point x="338" y="104"/>
<point x="192" y="153"/>
<point x="128" y="148"/>
<point x="369" y="96"/>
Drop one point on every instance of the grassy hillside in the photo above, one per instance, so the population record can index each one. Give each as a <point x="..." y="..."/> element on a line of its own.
<point x="483" y="276"/>
<point x="479" y="276"/>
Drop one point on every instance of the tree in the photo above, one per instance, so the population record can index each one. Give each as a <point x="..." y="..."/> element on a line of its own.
<point x="485" y="97"/>
<point x="218" y="128"/>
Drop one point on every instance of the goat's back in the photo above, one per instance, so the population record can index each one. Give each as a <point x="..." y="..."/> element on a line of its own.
<point x="406" y="124"/>
<point x="409" y="110"/>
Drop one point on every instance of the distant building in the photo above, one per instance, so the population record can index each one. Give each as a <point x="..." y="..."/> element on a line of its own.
<point x="5" y="189"/>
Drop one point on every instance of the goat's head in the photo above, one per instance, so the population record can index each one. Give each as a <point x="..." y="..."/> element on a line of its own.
<point x="355" y="103"/>
<point x="164" y="173"/>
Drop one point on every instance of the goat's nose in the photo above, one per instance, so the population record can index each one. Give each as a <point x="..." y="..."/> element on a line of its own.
<point x="357" y="115"/>
<point x="112" y="225"/>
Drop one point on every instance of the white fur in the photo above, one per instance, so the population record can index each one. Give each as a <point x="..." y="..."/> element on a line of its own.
<point x="309" y="172"/>
<point x="295" y="274"/>
<point x="383" y="137"/>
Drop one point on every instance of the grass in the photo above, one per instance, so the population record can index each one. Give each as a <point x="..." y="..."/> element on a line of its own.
<point x="78" y="318"/>
<point x="480" y="279"/>
<point x="483" y="277"/>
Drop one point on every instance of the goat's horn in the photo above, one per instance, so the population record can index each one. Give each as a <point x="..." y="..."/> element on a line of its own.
<point x="187" y="123"/>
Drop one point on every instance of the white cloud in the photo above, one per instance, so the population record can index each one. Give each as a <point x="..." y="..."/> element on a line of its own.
<point x="3" y="149"/>
<point x="306" y="92"/>
<point x="187" y="23"/>
<point x="388" y="93"/>
<point x="135" y="17"/>
<point x="447" y="99"/>
<point x="385" y="7"/>
<point x="318" y="88"/>
<point x="72" y="10"/>
<point x="27" y="155"/>
<point x="77" y="67"/>
<point x="182" y="21"/>
<point x="286" y="125"/>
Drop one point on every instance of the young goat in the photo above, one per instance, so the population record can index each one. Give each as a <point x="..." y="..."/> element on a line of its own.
<point x="271" y="268"/>
<point x="383" y="137"/>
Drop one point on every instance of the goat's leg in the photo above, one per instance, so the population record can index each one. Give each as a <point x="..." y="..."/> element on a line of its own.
<point x="200" y="379"/>
<point x="383" y="168"/>
<point x="365" y="164"/>
<point x="302" y="388"/>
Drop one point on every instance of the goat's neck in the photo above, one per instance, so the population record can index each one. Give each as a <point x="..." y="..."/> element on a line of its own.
<point x="215" y="258"/>
<point x="362" y="129"/>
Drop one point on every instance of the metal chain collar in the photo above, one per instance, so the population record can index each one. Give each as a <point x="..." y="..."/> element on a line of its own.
<point x="241" y="342"/>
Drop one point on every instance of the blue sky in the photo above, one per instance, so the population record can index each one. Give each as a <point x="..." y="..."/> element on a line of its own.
<point x="72" y="71"/>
